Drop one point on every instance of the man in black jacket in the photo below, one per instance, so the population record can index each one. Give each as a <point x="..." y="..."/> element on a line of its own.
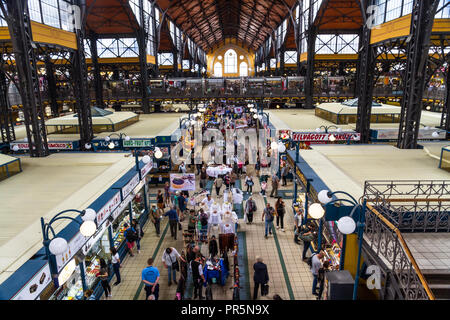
<point x="197" y="276"/>
<point x="261" y="276"/>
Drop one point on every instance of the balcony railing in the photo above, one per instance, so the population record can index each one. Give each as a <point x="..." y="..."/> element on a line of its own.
<point x="412" y="206"/>
<point x="251" y="90"/>
<point x="387" y="243"/>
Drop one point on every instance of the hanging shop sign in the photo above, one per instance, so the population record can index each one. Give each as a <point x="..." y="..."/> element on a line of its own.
<point x="36" y="285"/>
<point x="325" y="137"/>
<point x="108" y="208"/>
<point x="137" y="144"/>
<point x="238" y="110"/>
<point x="130" y="186"/>
<point x="74" y="245"/>
<point x="51" y="146"/>
<point x="185" y="182"/>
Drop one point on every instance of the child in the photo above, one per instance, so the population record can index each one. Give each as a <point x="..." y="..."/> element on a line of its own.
<point x="263" y="188"/>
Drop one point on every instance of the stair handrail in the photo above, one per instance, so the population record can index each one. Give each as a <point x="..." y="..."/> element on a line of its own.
<point x="405" y="248"/>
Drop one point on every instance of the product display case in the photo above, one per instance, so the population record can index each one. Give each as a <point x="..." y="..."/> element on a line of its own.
<point x="101" y="249"/>
<point x="119" y="228"/>
<point x="331" y="243"/>
<point x="72" y="289"/>
<point x="138" y="204"/>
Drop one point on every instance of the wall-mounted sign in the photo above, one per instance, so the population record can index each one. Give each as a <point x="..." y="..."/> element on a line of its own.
<point x="325" y="137"/>
<point x="392" y="134"/>
<point x="97" y="235"/>
<point x="74" y="245"/>
<point x="122" y="206"/>
<point x="130" y="186"/>
<point x="102" y="144"/>
<point x="33" y="288"/>
<point x="137" y="143"/>
<point x="146" y="169"/>
<point x="108" y="208"/>
<point x="51" y="146"/>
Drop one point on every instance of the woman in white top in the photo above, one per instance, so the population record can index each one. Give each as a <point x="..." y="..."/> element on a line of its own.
<point x="226" y="227"/>
<point x="208" y="201"/>
<point x="115" y="260"/>
<point x="170" y="257"/>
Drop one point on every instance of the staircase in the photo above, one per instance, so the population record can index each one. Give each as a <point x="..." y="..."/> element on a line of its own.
<point x="439" y="282"/>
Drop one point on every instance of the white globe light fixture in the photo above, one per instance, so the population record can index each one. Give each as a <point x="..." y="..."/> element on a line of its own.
<point x="346" y="225"/>
<point x="107" y="139"/>
<point x="89" y="215"/>
<point x="88" y="228"/>
<point x="255" y="116"/>
<point x="274" y="145"/>
<point x="318" y="130"/>
<point x="15" y="148"/>
<point x="332" y="138"/>
<point x="127" y="138"/>
<point x="324" y="197"/>
<point x="58" y="246"/>
<point x="111" y="145"/>
<point x="158" y="154"/>
<point x="316" y="211"/>
<point x="281" y="147"/>
<point x="435" y="134"/>
<point x="88" y="146"/>
<point x="339" y="130"/>
<point x="146" y="159"/>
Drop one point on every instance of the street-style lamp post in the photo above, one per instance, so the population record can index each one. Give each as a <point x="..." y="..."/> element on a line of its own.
<point x="123" y="137"/>
<point x="348" y="225"/>
<point x="56" y="245"/>
<point x="332" y="138"/>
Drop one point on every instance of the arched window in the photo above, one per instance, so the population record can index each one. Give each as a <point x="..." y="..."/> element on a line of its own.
<point x="243" y="69"/>
<point x="218" y="69"/>
<point x="230" y="61"/>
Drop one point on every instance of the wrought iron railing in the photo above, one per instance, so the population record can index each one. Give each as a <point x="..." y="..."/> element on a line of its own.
<point x="387" y="242"/>
<point x="412" y="206"/>
<point x="430" y="215"/>
<point x="406" y="189"/>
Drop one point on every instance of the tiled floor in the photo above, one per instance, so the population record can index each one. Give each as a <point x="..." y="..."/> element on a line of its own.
<point x="297" y="272"/>
<point x="431" y="250"/>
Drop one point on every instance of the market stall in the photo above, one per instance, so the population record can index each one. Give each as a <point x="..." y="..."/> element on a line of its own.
<point x="218" y="170"/>
<point x="330" y="240"/>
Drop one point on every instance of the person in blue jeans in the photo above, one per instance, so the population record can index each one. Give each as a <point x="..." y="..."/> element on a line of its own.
<point x="173" y="222"/>
<point x="316" y="264"/>
<point x="115" y="261"/>
<point x="268" y="216"/>
<point x="169" y="257"/>
<point x="150" y="277"/>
